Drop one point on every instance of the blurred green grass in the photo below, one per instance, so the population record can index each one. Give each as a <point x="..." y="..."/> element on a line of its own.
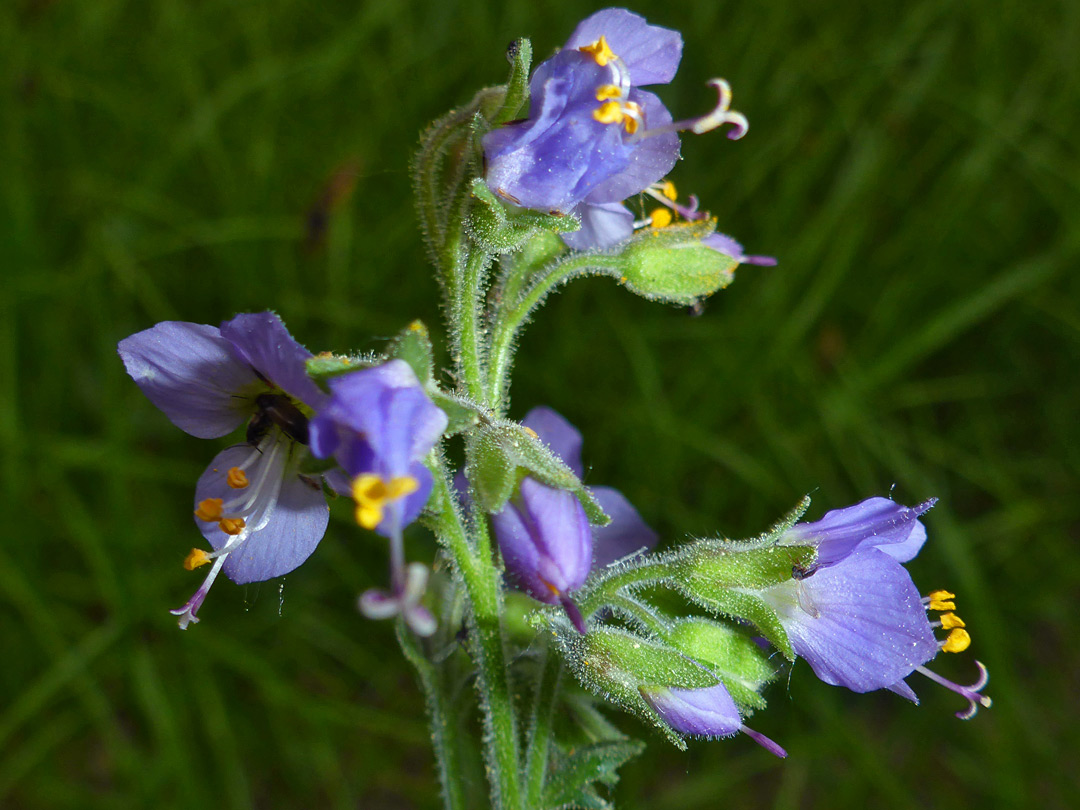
<point x="914" y="169"/>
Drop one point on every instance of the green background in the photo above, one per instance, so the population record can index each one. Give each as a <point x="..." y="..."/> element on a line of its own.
<point x="913" y="167"/>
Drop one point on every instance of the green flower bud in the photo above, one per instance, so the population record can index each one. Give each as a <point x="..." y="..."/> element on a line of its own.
<point x="672" y="264"/>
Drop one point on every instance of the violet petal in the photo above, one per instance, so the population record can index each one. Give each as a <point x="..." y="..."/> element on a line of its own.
<point x="189" y="371"/>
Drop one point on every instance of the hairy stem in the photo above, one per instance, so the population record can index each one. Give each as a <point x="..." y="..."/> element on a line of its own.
<point x="483" y="586"/>
<point x="444" y="730"/>
<point x="536" y="752"/>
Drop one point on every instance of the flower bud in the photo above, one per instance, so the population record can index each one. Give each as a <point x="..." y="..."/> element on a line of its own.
<point x="673" y="264"/>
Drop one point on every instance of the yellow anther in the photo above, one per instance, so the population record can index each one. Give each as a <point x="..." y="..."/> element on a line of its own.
<point x="210" y="510"/>
<point x="633" y="114"/>
<point x="941" y="600"/>
<point x="371" y="493"/>
<point x="196" y="558"/>
<point x="531" y="432"/>
<point x="668" y="190"/>
<point x="958" y="641"/>
<point x="236" y="478"/>
<point x="610" y="112"/>
<point x="232" y="526"/>
<point x="660" y="217"/>
<point x="600" y="51"/>
<point x="608" y="91"/>
<point x="951" y="620"/>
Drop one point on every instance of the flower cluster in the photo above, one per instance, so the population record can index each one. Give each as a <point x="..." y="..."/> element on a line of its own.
<point x="593" y="138"/>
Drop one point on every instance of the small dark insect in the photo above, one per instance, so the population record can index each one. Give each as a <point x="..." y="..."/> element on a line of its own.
<point x="800" y="573"/>
<point x="277" y="409"/>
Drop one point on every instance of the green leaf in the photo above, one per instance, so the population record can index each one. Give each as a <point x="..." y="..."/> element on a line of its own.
<point x="570" y="784"/>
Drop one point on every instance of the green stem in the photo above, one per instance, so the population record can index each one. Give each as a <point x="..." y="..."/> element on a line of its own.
<point x="511" y="319"/>
<point x="483" y="585"/>
<point x="540" y="726"/>
<point x="470" y="323"/>
<point x="444" y="731"/>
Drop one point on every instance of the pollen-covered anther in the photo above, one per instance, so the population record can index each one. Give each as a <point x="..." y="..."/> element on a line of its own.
<point x="940" y="600"/>
<point x="196" y="558"/>
<point x="606" y="92"/>
<point x="667" y="188"/>
<point x="610" y="112"/>
<point x="951" y="620"/>
<point x="236" y="478"/>
<point x="660" y="218"/>
<point x="211" y="510"/>
<point x="958" y="640"/>
<point x="372" y="492"/>
<point x="600" y="51"/>
<point x="232" y="526"/>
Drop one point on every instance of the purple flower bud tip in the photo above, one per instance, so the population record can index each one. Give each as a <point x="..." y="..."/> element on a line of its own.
<point x="707" y="712"/>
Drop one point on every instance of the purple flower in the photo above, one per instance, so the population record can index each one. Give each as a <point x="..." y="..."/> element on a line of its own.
<point x="707" y="712"/>
<point x="547" y="543"/>
<point x="380" y="425"/>
<point x="593" y="138"/>
<point x="856" y="616"/>
<point x="260" y="515"/>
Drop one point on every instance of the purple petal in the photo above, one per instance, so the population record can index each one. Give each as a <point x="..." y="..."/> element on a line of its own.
<point x="873" y="523"/>
<point x="286" y="514"/>
<point x="860" y="623"/>
<point x="707" y="712"/>
<point x="650" y="52"/>
<point x="602" y="226"/>
<point x="377" y="420"/>
<point x="903" y="690"/>
<point x="261" y="340"/>
<point x="561" y="437"/>
<point x="649" y="159"/>
<point x="189" y="372"/>
<point x="553" y="159"/>
<point x="625" y="535"/>
<point x="545" y="540"/>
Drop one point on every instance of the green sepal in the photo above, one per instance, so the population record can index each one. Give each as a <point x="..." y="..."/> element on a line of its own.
<point x="741" y="664"/>
<point x="322" y="367"/>
<point x="500" y="454"/>
<point x="516" y="95"/>
<point x="617" y="664"/>
<point x="462" y="414"/>
<point x="673" y="265"/>
<point x="708" y="564"/>
<point x="413" y="345"/>
<point x="570" y="783"/>
<point x="499" y="229"/>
